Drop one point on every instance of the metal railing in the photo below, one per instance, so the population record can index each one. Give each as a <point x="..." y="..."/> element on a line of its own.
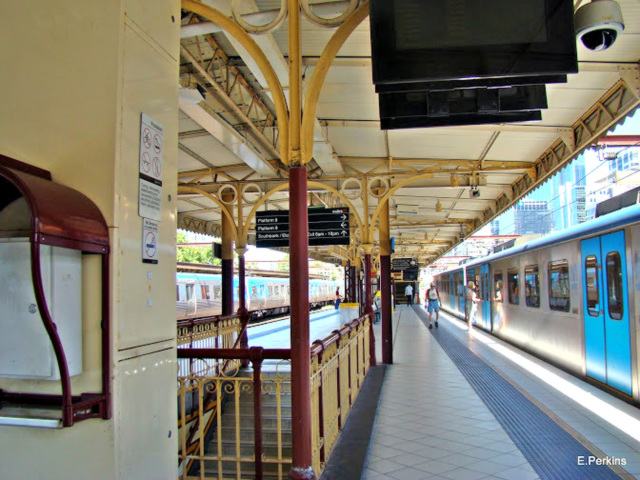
<point x="339" y="364"/>
<point x="220" y="331"/>
<point x="237" y="422"/>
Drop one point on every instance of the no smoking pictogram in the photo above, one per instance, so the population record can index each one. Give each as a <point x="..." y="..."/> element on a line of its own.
<point x="150" y="244"/>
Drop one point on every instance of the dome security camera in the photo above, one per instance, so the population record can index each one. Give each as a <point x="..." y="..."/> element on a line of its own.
<point x="598" y="24"/>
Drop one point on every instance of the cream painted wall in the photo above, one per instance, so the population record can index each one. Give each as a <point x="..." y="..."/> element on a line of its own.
<point x="75" y="77"/>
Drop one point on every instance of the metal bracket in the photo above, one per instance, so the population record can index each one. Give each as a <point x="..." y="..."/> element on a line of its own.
<point x="630" y="74"/>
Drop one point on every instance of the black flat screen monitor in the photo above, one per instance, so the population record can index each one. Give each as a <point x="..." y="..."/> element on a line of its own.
<point x="436" y="40"/>
<point x="459" y="120"/>
<point x="494" y="82"/>
<point x="461" y="107"/>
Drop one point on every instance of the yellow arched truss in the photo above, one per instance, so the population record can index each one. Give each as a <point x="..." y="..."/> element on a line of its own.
<point x="320" y="72"/>
<point x="282" y="113"/>
<point x="214" y="199"/>
<point x="385" y="198"/>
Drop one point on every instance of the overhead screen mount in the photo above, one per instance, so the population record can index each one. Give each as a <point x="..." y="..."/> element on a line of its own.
<point x="462" y="107"/>
<point x="448" y="46"/>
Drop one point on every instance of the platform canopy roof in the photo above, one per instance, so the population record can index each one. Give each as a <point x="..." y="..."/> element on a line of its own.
<point x="228" y="138"/>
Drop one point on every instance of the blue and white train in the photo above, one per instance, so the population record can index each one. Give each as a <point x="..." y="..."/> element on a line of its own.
<point x="200" y="295"/>
<point x="571" y="298"/>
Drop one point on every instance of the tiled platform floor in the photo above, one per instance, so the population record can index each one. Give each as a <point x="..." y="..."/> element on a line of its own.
<point x="431" y="424"/>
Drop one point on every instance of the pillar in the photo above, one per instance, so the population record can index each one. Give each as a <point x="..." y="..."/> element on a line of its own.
<point x="227" y="262"/>
<point x="368" y="308"/>
<point x="300" y="351"/>
<point x="368" y="303"/>
<point x="86" y="130"/>
<point x="242" y="296"/>
<point x="385" y="285"/>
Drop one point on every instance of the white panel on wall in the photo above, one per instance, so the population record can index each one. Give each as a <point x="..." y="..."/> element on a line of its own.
<point x="25" y="348"/>
<point x="147" y="406"/>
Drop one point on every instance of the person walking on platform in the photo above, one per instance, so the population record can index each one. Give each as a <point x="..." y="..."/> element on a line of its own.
<point x="338" y="298"/>
<point x="409" y="293"/>
<point x="432" y="300"/>
<point x="470" y="305"/>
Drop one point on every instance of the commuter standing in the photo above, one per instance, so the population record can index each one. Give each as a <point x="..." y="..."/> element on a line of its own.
<point x="338" y="298"/>
<point x="470" y="304"/>
<point x="432" y="299"/>
<point x="409" y="293"/>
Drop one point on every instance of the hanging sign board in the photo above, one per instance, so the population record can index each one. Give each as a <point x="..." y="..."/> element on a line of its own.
<point x="150" y="172"/>
<point x="400" y="264"/>
<point x="327" y="226"/>
<point x="272" y="229"/>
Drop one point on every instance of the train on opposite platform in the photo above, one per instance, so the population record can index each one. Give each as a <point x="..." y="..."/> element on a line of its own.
<point x="570" y="298"/>
<point x="200" y="295"/>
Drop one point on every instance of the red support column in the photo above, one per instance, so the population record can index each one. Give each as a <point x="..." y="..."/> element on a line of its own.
<point x="368" y="299"/>
<point x="227" y="287"/>
<point x="227" y="263"/>
<point x="385" y="285"/>
<point x="385" y="301"/>
<point x="367" y="283"/>
<point x="242" y="297"/>
<point x="300" y="351"/>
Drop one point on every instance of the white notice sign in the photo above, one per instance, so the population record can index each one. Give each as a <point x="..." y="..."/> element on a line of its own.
<point x="150" y="188"/>
<point x="149" y="241"/>
<point x="149" y="200"/>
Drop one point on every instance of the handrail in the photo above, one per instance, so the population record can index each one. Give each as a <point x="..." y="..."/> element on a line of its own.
<point x="204" y="320"/>
<point x="235" y="353"/>
<point x="343" y="350"/>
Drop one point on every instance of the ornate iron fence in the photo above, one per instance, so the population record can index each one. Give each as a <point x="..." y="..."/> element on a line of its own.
<point x="236" y="423"/>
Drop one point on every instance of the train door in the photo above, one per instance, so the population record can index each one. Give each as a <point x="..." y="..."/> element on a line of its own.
<point x="607" y="336"/>
<point x="484" y="296"/>
<point x="452" y="292"/>
<point x="496" y="319"/>
<point x="190" y="294"/>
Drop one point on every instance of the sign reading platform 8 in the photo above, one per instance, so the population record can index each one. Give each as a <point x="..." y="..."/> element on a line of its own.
<point x="327" y="226"/>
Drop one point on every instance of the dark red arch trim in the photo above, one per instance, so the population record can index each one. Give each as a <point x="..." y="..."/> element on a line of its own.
<point x="62" y="217"/>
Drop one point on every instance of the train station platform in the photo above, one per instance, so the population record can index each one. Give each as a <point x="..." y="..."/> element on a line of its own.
<point x="465" y="406"/>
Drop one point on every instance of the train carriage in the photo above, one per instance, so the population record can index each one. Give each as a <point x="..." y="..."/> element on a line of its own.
<point x="200" y="295"/>
<point x="570" y="298"/>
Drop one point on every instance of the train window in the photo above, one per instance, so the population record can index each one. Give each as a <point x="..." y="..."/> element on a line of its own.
<point x="614" y="286"/>
<point x="558" y="276"/>
<point x="512" y="283"/>
<point x="191" y="290"/>
<point x="177" y="293"/>
<point x="532" y="286"/>
<point x="204" y="291"/>
<point x="497" y="281"/>
<point x="217" y="292"/>
<point x="591" y="278"/>
<point x="253" y="292"/>
<point x="270" y="290"/>
<point x="484" y="286"/>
